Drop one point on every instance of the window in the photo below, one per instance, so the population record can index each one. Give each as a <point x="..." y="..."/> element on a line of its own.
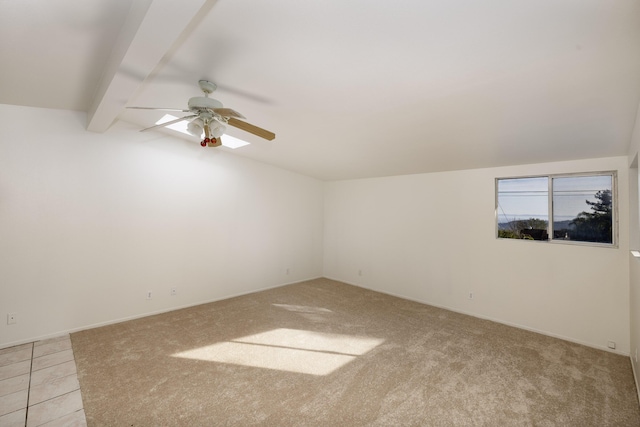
<point x="567" y="208"/>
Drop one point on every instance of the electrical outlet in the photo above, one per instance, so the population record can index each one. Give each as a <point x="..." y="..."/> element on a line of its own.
<point x="359" y="272"/>
<point x="12" y="319"/>
<point x="611" y="345"/>
<point x="148" y="294"/>
<point x="470" y="295"/>
<point x="287" y="271"/>
<point x="174" y="292"/>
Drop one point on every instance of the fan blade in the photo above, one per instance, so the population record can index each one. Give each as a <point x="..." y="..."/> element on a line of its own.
<point x="228" y="112"/>
<point x="158" y="109"/>
<point x="169" y="123"/>
<point x="247" y="127"/>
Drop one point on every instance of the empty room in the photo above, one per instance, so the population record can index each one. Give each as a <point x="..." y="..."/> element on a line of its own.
<point x="351" y="213"/>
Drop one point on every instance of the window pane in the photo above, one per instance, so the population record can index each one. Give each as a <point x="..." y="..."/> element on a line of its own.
<point x="523" y="208"/>
<point x="582" y="207"/>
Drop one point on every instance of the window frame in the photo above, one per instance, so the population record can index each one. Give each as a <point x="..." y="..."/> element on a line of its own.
<point x="550" y="207"/>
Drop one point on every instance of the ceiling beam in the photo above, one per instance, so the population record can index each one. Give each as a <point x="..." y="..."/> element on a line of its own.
<point x="149" y="32"/>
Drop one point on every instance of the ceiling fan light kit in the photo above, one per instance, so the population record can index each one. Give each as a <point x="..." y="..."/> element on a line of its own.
<point x="210" y="116"/>
<point x="216" y="128"/>
<point x="196" y="127"/>
<point x="208" y="140"/>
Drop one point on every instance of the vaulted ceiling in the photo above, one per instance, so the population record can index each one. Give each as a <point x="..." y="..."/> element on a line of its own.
<point x="351" y="88"/>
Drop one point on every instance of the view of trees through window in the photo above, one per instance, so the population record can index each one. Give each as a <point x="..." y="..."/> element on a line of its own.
<point x="580" y="208"/>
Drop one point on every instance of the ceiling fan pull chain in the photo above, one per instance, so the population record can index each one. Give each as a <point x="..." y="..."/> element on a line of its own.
<point x="206" y="139"/>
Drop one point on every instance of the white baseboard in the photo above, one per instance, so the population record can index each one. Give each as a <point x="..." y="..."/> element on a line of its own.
<point x="138" y="316"/>
<point x="479" y="316"/>
<point x="166" y="310"/>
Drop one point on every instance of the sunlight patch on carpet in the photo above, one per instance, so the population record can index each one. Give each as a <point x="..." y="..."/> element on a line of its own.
<point x="303" y="308"/>
<point x="290" y="350"/>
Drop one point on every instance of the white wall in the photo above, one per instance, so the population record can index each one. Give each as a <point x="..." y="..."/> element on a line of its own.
<point x="634" y="244"/>
<point x="431" y="238"/>
<point x="90" y="222"/>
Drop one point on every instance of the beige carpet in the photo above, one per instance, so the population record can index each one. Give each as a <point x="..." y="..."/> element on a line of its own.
<point x="325" y="353"/>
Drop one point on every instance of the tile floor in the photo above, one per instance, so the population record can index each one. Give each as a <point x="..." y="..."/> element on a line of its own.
<point x="39" y="385"/>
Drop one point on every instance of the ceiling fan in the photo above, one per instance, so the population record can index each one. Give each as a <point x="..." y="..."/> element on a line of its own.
<point x="209" y="115"/>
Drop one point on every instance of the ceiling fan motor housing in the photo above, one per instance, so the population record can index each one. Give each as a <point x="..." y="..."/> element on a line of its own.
<point x="202" y="103"/>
